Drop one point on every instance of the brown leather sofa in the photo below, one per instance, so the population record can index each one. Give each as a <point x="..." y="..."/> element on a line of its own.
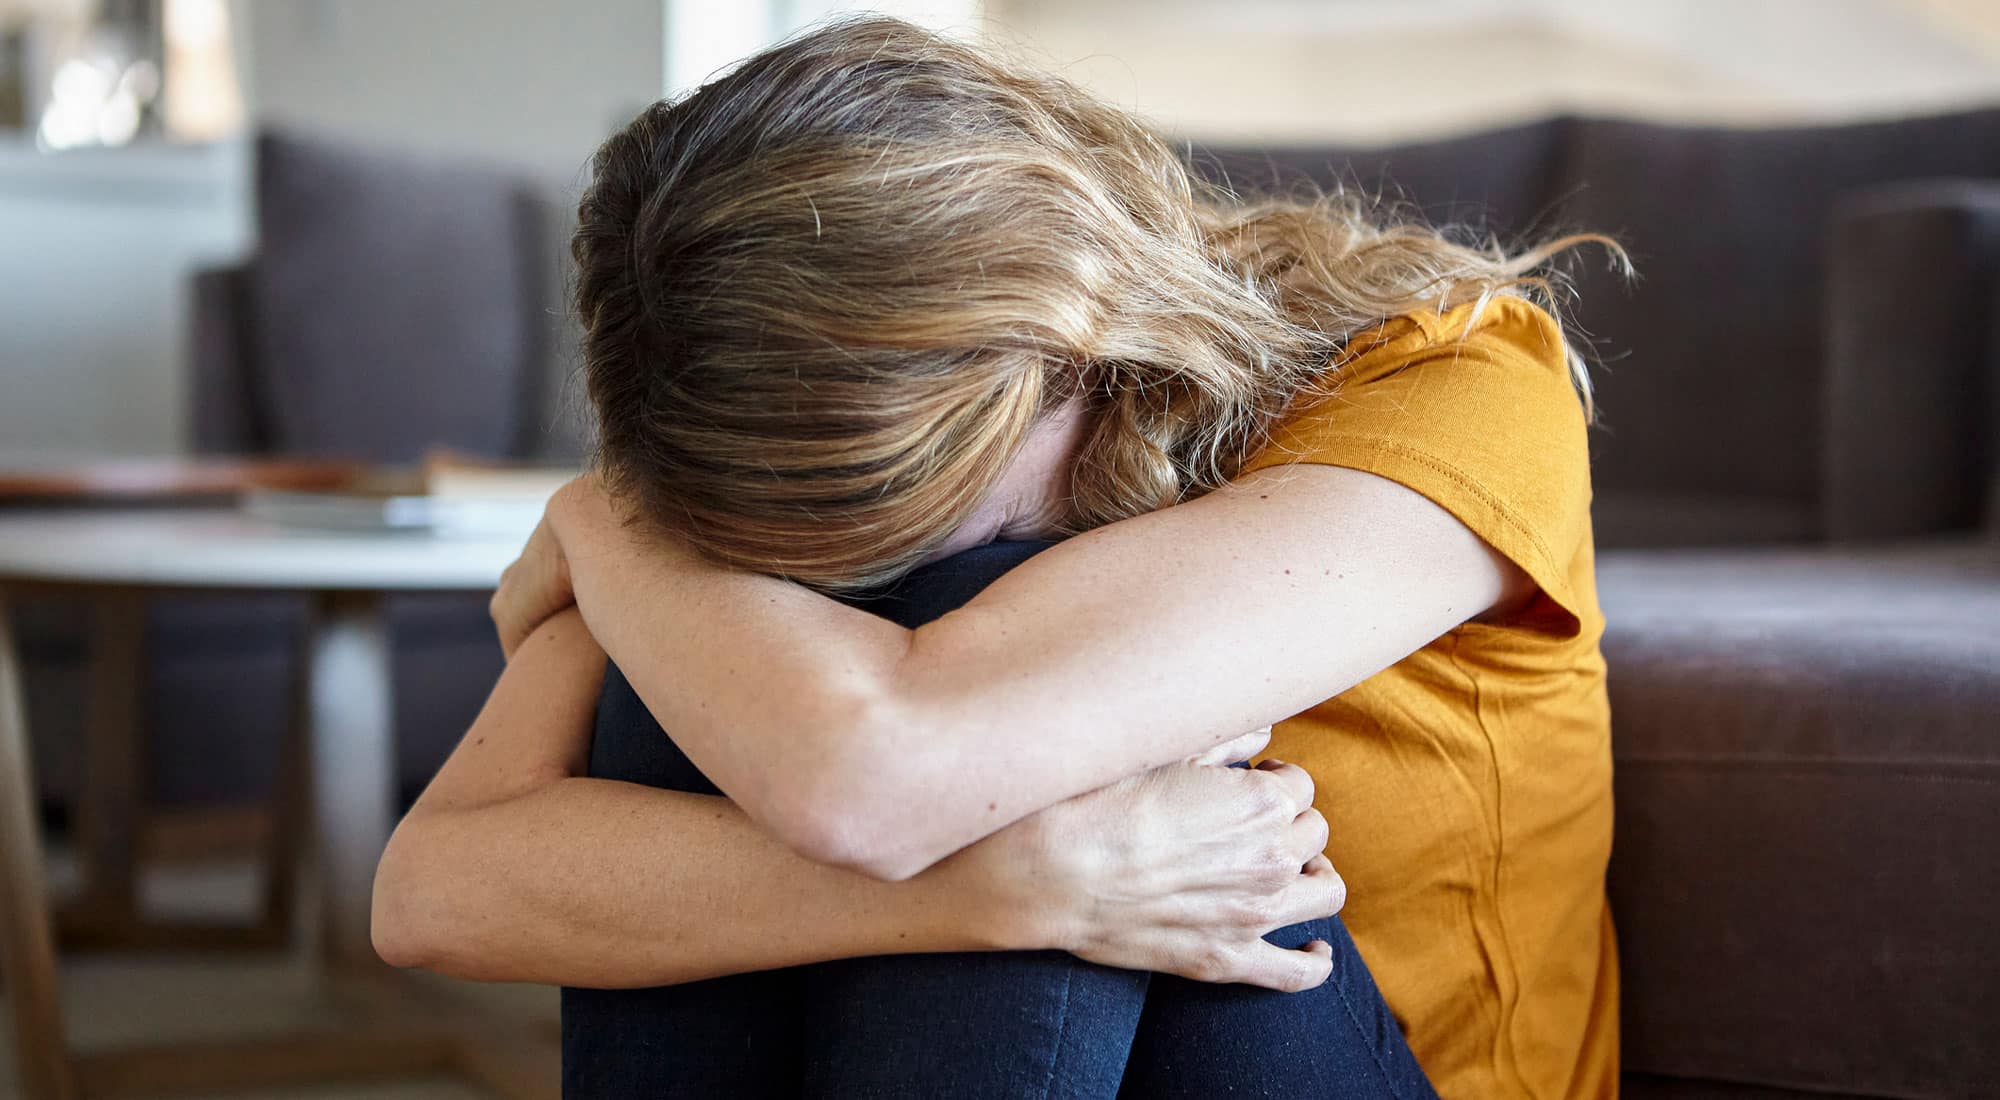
<point x="1796" y="497"/>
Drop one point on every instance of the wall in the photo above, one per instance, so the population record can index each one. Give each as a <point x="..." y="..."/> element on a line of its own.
<point x="1389" y="70"/>
<point x="92" y="291"/>
<point x="529" y="83"/>
<point x="97" y="247"/>
<point x="98" y="244"/>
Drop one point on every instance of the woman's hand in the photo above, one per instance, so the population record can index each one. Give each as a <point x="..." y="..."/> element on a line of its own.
<point x="1180" y="870"/>
<point x="532" y="590"/>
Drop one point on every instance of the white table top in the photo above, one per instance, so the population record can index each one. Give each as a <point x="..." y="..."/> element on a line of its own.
<point x="223" y="548"/>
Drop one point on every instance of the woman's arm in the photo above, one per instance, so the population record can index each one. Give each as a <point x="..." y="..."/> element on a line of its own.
<point x="512" y="868"/>
<point x="1117" y="651"/>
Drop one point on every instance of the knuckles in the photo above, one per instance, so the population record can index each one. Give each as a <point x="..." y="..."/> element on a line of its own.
<point x="1253" y="915"/>
<point x="1336" y="893"/>
<point x="1319" y="832"/>
<point x="1273" y="861"/>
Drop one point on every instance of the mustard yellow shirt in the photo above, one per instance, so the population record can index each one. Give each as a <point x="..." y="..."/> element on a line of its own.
<point x="1469" y="785"/>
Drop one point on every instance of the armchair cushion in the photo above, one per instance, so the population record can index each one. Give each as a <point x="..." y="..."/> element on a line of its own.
<point x="395" y="303"/>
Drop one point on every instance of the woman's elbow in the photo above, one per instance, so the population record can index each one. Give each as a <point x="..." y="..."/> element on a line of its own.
<point x="860" y="819"/>
<point x="854" y="845"/>
<point x="407" y="919"/>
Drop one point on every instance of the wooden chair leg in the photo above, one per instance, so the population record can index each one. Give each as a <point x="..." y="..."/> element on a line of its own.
<point x="27" y="938"/>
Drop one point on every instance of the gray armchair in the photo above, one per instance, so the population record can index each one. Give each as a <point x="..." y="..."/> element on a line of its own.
<point x="392" y="305"/>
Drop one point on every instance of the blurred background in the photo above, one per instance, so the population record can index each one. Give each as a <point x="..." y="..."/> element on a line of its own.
<point x="158" y="97"/>
<point x="250" y="249"/>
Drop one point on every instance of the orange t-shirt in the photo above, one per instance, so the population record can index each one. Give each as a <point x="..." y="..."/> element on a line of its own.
<point x="1469" y="785"/>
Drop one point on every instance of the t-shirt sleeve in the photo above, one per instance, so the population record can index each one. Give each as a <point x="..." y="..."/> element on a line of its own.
<point x="1486" y="423"/>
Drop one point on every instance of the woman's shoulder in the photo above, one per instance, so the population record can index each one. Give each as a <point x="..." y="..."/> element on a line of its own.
<point x="1504" y="327"/>
<point x="1474" y="408"/>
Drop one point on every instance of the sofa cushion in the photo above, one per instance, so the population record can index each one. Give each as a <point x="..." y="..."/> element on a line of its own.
<point x="1718" y="354"/>
<point x="1808" y="784"/>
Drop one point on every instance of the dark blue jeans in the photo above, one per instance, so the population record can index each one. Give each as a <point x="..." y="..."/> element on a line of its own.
<point x="991" y="1025"/>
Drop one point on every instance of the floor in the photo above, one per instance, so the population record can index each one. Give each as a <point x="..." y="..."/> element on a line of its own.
<point x="112" y="1000"/>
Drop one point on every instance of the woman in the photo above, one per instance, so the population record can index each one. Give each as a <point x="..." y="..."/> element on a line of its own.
<point x="875" y="299"/>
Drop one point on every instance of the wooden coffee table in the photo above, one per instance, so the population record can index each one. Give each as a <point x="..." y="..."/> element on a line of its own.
<point x="347" y="780"/>
<point x="67" y="480"/>
<point x="111" y="826"/>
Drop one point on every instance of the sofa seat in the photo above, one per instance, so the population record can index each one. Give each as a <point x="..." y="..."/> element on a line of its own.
<point x="1808" y="756"/>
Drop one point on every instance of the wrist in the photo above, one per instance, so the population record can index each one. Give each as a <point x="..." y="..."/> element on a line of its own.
<point x="1006" y="892"/>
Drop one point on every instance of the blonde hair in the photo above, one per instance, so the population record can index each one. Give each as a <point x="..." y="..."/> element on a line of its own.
<point x="826" y="296"/>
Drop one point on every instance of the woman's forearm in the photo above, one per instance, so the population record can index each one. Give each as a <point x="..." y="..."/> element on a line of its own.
<point x="883" y="771"/>
<point x="591" y="882"/>
<point x="512" y="866"/>
<point x="1123" y="649"/>
<point x="727" y="659"/>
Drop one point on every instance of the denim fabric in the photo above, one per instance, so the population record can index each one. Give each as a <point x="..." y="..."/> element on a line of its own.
<point x="1023" y="1024"/>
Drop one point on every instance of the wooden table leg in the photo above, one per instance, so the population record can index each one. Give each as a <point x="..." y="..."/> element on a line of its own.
<point x="115" y="833"/>
<point x="287" y="842"/>
<point x="353" y="764"/>
<point x="111" y="805"/>
<point x="27" y="943"/>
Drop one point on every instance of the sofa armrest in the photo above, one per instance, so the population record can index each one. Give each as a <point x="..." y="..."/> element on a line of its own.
<point x="1912" y="359"/>
<point x="222" y="409"/>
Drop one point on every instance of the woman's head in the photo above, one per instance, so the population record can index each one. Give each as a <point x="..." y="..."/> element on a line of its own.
<point x="829" y="297"/>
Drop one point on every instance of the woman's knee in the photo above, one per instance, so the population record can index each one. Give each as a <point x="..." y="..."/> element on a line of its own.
<point x="941" y="587"/>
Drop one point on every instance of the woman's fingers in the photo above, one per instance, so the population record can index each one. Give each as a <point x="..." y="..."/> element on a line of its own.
<point x="1307" y="835"/>
<point x="1293" y="781"/>
<point x="1318" y="892"/>
<point x="1286" y="970"/>
<point x="1184" y="870"/>
<point x="535" y="587"/>
<point x="1235" y="751"/>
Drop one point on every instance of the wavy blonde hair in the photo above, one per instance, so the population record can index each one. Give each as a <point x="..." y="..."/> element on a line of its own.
<point x="826" y="297"/>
